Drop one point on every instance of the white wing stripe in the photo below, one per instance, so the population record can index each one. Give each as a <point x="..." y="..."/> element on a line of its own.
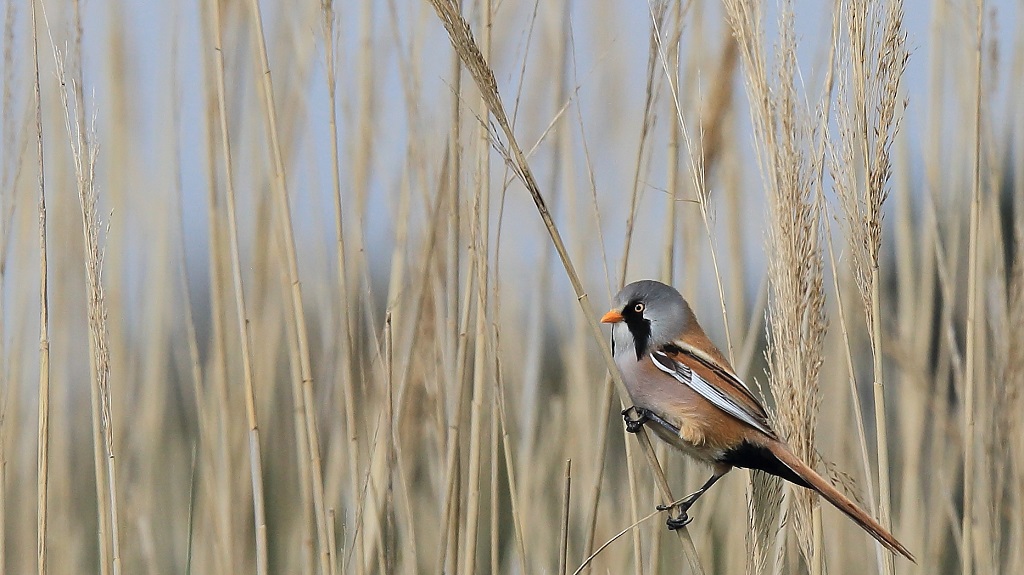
<point x="717" y="397"/>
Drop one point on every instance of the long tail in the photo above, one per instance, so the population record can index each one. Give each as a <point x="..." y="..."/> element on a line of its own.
<point x="840" y="501"/>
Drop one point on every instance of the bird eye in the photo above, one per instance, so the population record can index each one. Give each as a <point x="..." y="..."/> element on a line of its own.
<point x="638" y="308"/>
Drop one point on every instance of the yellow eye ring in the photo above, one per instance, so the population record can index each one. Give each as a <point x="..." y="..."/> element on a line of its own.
<point x="639" y="308"/>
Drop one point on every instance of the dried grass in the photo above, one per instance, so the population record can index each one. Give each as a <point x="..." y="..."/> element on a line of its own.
<point x="786" y="135"/>
<point x="406" y="328"/>
<point x="871" y="61"/>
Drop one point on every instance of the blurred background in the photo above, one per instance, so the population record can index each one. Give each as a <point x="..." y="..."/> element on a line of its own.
<point x="337" y="338"/>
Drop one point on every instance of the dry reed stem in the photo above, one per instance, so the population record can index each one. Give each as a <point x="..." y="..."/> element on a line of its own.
<point x="3" y="469"/>
<point x="368" y="494"/>
<point x="493" y="543"/>
<point x="298" y="415"/>
<point x="914" y="288"/>
<point x="283" y="214"/>
<point x="410" y="542"/>
<point x="563" y="538"/>
<point x="453" y="328"/>
<point x="104" y="504"/>
<point x="360" y="167"/>
<point x="223" y="468"/>
<point x="674" y="135"/>
<point x="499" y="426"/>
<point x="255" y="455"/>
<point x="994" y="365"/>
<point x="448" y="556"/>
<point x="506" y="447"/>
<point x="43" y="435"/>
<point x="345" y="316"/>
<point x="390" y="541"/>
<point x="1012" y="397"/>
<point x="871" y="70"/>
<point x="586" y="562"/>
<point x="462" y="40"/>
<point x="796" y="312"/>
<point x="480" y="251"/>
<point x="764" y="492"/>
<point x="593" y="497"/>
<point x="971" y="345"/>
<point x="218" y="423"/>
<point x="332" y="536"/>
<point x="415" y="313"/>
<point x="84" y="153"/>
<point x="634" y="501"/>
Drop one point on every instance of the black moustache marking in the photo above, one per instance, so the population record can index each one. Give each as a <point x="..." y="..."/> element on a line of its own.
<point x="639" y="326"/>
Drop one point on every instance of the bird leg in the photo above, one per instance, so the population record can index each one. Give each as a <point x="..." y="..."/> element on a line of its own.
<point x="684" y="504"/>
<point x="642" y="417"/>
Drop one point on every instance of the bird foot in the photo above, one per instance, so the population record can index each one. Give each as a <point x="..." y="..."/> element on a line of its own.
<point x="674" y="523"/>
<point x="682" y="519"/>
<point x="634" y="425"/>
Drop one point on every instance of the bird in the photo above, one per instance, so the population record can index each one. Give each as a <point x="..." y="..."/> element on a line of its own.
<point x="685" y="390"/>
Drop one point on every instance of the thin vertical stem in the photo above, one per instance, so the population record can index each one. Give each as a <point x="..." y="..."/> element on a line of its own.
<point x="222" y="466"/>
<point x="480" y="232"/>
<point x="43" y="438"/>
<point x="84" y="153"/>
<point x="881" y="424"/>
<point x="563" y="538"/>
<point x="674" y="136"/>
<point x="634" y="504"/>
<point x="817" y="557"/>
<point x="513" y="489"/>
<point x="255" y="457"/>
<point x="494" y="491"/>
<point x="333" y="538"/>
<point x="285" y="222"/>
<point x="389" y="426"/>
<point x="448" y="558"/>
<point x="345" y="306"/>
<point x="970" y="363"/>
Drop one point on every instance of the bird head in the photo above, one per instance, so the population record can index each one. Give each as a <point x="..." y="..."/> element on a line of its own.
<point x="647" y="314"/>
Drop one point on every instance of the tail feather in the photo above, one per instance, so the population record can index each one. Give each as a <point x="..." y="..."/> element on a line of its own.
<point x="840" y="501"/>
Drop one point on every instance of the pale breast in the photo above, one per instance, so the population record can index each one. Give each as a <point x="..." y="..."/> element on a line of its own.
<point x="651" y="389"/>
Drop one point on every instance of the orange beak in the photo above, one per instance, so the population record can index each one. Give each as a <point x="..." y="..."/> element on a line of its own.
<point x="613" y="316"/>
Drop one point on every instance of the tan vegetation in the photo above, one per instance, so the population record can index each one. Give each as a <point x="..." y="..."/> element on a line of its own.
<point x="275" y="296"/>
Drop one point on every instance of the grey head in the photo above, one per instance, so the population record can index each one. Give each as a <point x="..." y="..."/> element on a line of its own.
<point x="646" y="314"/>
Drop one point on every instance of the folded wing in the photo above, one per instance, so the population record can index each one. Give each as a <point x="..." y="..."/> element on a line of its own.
<point x="723" y="394"/>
